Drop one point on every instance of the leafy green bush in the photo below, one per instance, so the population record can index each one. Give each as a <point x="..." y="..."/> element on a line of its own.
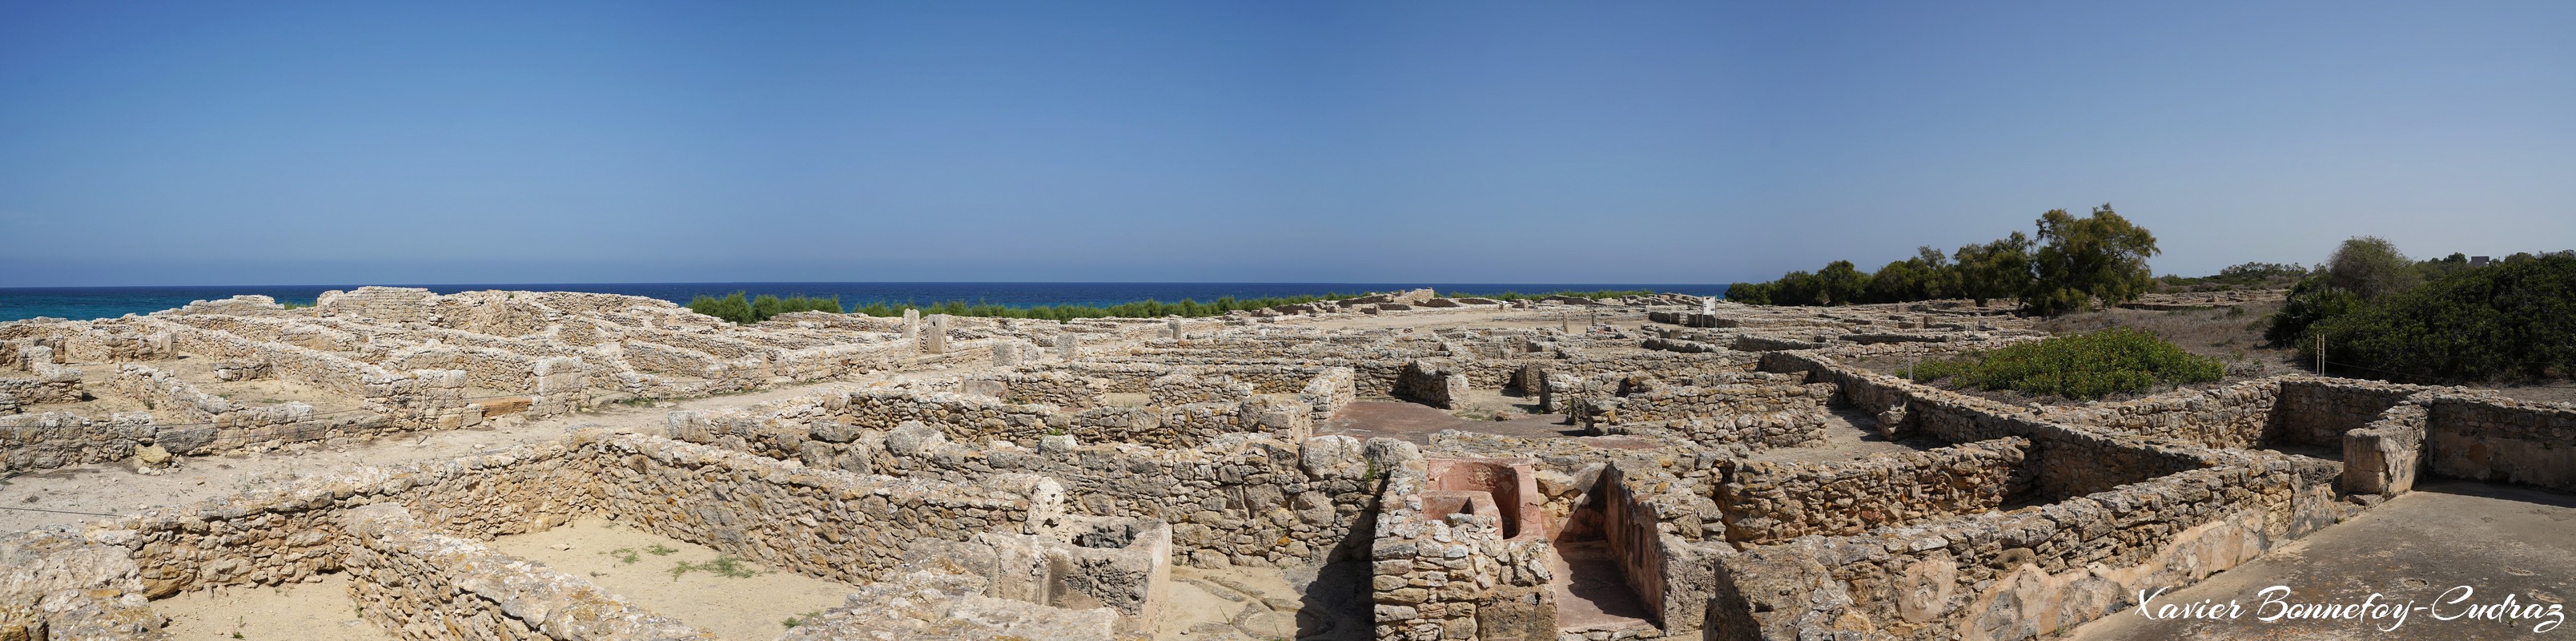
<point x="736" y="309"/>
<point x="2080" y="366"/>
<point x="2513" y="321"/>
<point x="2314" y="299"/>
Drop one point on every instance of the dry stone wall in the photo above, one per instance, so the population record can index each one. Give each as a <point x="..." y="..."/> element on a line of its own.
<point x="1769" y="502"/>
<point x="416" y="583"/>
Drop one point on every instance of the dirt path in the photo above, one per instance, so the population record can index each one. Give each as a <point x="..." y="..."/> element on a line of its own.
<point x="317" y="611"/>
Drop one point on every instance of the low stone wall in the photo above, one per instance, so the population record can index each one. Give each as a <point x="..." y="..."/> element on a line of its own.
<point x="1763" y="415"/>
<point x="819" y="522"/>
<point x="1239" y="499"/>
<point x="1328" y="392"/>
<point x="2238" y="416"/>
<point x="2027" y="573"/>
<point x="2317" y="411"/>
<point x="58" y="439"/>
<point x="1651" y="523"/>
<point x="51" y="383"/>
<point x="283" y="535"/>
<point x="415" y="583"/>
<point x="1769" y="502"/>
<point x="1432" y="382"/>
<point x="1182" y="388"/>
<point x="2066" y="461"/>
<point x="1060" y="389"/>
<point x="2493" y="439"/>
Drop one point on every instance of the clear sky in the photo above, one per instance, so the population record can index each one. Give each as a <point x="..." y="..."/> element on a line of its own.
<point x="629" y="141"/>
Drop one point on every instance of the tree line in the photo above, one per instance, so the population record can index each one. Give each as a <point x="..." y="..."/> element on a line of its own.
<point x="2072" y="262"/>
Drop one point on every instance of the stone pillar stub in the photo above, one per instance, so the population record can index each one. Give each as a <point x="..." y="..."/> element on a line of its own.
<point x="911" y="324"/>
<point x="1066" y="343"/>
<point x="934" y="336"/>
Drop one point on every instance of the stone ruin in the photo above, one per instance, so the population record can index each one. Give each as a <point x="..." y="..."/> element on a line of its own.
<point x="1715" y="470"/>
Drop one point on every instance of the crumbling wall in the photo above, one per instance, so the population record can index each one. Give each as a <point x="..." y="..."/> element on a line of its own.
<point x="1758" y="414"/>
<point x="2239" y="416"/>
<point x="293" y="532"/>
<point x="2066" y="461"/>
<point x="1241" y="499"/>
<point x="819" y="522"/>
<point x="1180" y="388"/>
<point x="1455" y="577"/>
<point x="2499" y="440"/>
<point x="55" y="584"/>
<point x="1769" y="502"/>
<point x="416" y="583"/>
<point x="2027" y="573"/>
<point x="51" y="383"/>
<point x="2317" y="411"/>
<point x="1432" y="382"/>
<point x="58" y="439"/>
<point x="2384" y="458"/>
<point x="1328" y="392"/>
<point x="393" y="305"/>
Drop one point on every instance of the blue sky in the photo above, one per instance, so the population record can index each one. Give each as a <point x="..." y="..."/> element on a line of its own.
<point x="248" y="143"/>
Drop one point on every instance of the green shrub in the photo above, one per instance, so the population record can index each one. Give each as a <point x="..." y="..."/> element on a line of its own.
<point x="2514" y="321"/>
<point x="2080" y="366"/>
<point x="2314" y="299"/>
<point x="736" y="309"/>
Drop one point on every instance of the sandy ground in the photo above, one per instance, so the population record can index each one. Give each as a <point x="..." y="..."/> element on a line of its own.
<point x="2496" y="540"/>
<point x="1258" y="603"/>
<point x="754" y="607"/>
<point x="319" y="611"/>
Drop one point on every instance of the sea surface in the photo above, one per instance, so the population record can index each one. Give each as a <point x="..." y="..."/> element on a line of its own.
<point x="84" y="303"/>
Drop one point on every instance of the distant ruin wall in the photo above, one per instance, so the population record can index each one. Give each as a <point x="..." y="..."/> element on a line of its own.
<point x="1768" y="502"/>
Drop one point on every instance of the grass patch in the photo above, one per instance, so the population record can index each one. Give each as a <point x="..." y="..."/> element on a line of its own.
<point x="800" y="619"/>
<point x="728" y="566"/>
<point x="2080" y="366"/>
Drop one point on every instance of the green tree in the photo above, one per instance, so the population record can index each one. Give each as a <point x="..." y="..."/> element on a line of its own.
<point x="1993" y="270"/>
<point x="1843" y="284"/>
<point x="2314" y="299"/>
<point x="2371" y="267"/>
<point x="2080" y="259"/>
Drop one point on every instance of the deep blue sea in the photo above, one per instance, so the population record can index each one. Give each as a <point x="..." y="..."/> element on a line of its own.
<point x="83" y="303"/>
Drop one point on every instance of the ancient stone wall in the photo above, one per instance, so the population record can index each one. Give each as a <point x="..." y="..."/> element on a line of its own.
<point x="2027" y="573"/>
<point x="1454" y="577"/>
<point x="1434" y="382"/>
<point x="2237" y="416"/>
<point x="2384" y="458"/>
<point x="2487" y="438"/>
<point x="416" y="583"/>
<point x="820" y="522"/>
<point x="51" y="383"/>
<point x="55" y="584"/>
<point x="1652" y="525"/>
<point x="386" y="304"/>
<point x="1767" y="415"/>
<point x="1328" y="392"/>
<point x="56" y="439"/>
<point x="2067" y="461"/>
<point x="1244" y="498"/>
<point x="2317" y="411"/>
<point x="1180" y="388"/>
<point x="1769" y="502"/>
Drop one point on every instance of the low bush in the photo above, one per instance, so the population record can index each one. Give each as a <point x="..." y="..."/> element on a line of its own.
<point x="2511" y="321"/>
<point x="740" y="311"/>
<point x="2080" y="366"/>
